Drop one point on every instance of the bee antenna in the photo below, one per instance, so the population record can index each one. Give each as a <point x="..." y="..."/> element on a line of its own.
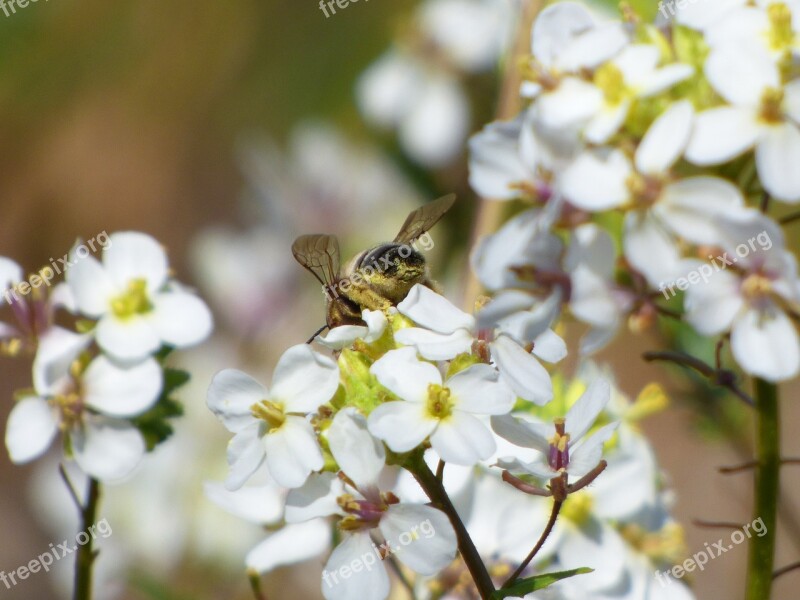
<point x="316" y="333"/>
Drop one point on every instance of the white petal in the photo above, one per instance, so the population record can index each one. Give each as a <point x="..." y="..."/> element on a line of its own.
<point x="91" y="286"/>
<point x="342" y="336"/>
<point x="504" y="305"/>
<point x="423" y="537"/>
<point x="649" y="248"/>
<point x="570" y="105"/>
<point x="791" y="100"/>
<point x="106" y="449"/>
<point x="711" y="306"/>
<point x="122" y="391"/>
<point x="289" y="545"/>
<point x="637" y="61"/>
<point x="367" y="581"/>
<point x="293" y="452"/>
<point x="404" y="375"/>
<point x="131" y="255"/>
<point x="777" y="157"/>
<point x="607" y="122"/>
<point x="494" y="161"/>
<point x="127" y="339"/>
<point x="585" y="411"/>
<point x="245" y="454"/>
<point x="376" y="324"/>
<point x="303" y="379"/>
<point x="666" y="139"/>
<point x="181" y="319"/>
<point x="555" y="27"/>
<point x="435" y="346"/>
<point x="315" y="498"/>
<point x="664" y="78"/>
<point x="699" y="15"/>
<point x="523" y="432"/>
<point x="594" y="47"/>
<point x="32" y="426"/>
<point x="477" y="390"/>
<point x="433" y="311"/>
<point x="359" y="455"/>
<point x="691" y="208"/>
<point x="597" y="181"/>
<point x="402" y="425"/>
<point x="386" y="89"/>
<point x="598" y="546"/>
<point x="741" y="72"/>
<point x="58" y="348"/>
<point x="765" y="344"/>
<point x="521" y="371"/>
<point x="588" y="454"/>
<point x="721" y="134"/>
<point x="463" y="439"/>
<point x="231" y="397"/>
<point x="550" y="347"/>
<point x="261" y="504"/>
<point x="10" y="273"/>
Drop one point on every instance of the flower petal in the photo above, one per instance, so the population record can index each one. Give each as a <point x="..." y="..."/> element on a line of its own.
<point x="231" y="397"/>
<point x="181" y="319"/>
<point x="32" y="426"/>
<point x="58" y="349"/>
<point x="588" y="454"/>
<point x="404" y="375"/>
<point x="477" y="390"/>
<point x="402" y="425"/>
<point x="777" y="155"/>
<point x="435" y="346"/>
<point x="367" y="581"/>
<point x="649" y="248"/>
<point x="433" y="311"/>
<point x="585" y="411"/>
<point x="666" y="139"/>
<point x="721" y="134"/>
<point x="132" y="255"/>
<point x="495" y="164"/>
<point x="462" y="439"/>
<point x="597" y="181"/>
<point x="315" y="498"/>
<point x="107" y="449"/>
<point x="423" y="538"/>
<point x="523" y="432"/>
<point x="765" y="343"/>
<point x="289" y="545"/>
<point x="122" y="391"/>
<point x="521" y="371"/>
<point x="245" y="455"/>
<point x="129" y="339"/>
<point x="359" y="455"/>
<point x="741" y="72"/>
<point x="303" y="379"/>
<point x="91" y="286"/>
<point x="293" y="452"/>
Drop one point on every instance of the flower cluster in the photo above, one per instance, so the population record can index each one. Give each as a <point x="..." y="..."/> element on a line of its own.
<point x="664" y="142"/>
<point x="351" y="438"/>
<point x="102" y="386"/>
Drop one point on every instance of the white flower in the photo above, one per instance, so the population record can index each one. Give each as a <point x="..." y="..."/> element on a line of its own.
<point x="750" y="302"/>
<point x="90" y="407"/>
<point x="559" y="442"/>
<point x="764" y="113"/>
<point x="272" y="424"/>
<point x="420" y="536"/>
<point x="664" y="210"/>
<point x="772" y="25"/>
<point x="428" y="107"/>
<point x="344" y="336"/>
<point x="446" y="332"/>
<point x="445" y="411"/>
<point x="137" y="307"/>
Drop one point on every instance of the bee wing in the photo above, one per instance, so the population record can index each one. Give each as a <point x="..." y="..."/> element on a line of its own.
<point x="319" y="254"/>
<point x="422" y="219"/>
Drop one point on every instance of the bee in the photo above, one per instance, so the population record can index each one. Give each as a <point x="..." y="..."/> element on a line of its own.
<point x="374" y="279"/>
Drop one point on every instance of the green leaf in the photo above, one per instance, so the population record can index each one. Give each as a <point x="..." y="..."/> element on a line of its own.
<point x="154" y="424"/>
<point x="537" y="582"/>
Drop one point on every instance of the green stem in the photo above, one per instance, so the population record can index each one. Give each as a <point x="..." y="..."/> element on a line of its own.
<point x="86" y="554"/>
<point x="762" y="549"/>
<point x="438" y="495"/>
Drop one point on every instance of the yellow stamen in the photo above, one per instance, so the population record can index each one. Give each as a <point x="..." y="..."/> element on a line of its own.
<point x="133" y="302"/>
<point x="439" y="405"/>
<point x="271" y="412"/>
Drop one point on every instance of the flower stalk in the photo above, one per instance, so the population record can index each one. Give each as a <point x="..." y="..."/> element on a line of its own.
<point x="767" y="481"/>
<point x="438" y="495"/>
<point x="84" y="562"/>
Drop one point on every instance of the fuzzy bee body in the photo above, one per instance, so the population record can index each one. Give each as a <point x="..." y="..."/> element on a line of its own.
<point x="376" y="278"/>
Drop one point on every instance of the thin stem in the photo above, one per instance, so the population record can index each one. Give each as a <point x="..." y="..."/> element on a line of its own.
<point x="438" y="495"/>
<point x="255" y="585"/>
<point x="557" y="504"/>
<point x="392" y="562"/>
<point x="84" y="562"/>
<point x="789" y="218"/>
<point x="786" y="569"/>
<point x="762" y="549"/>
<point x="440" y="471"/>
